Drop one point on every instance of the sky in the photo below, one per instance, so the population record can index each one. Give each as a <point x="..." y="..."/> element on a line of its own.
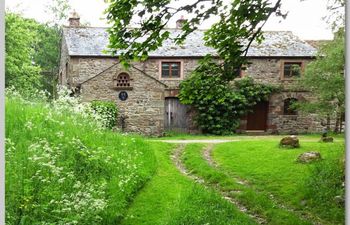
<point x="304" y="16"/>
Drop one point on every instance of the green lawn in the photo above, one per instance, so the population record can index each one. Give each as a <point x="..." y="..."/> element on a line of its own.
<point x="258" y="203"/>
<point x="171" y="198"/>
<point x="272" y="169"/>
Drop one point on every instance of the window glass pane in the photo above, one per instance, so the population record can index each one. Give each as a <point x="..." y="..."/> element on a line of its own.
<point x="165" y="66"/>
<point x="175" y="66"/>
<point x="175" y="73"/>
<point x="287" y="70"/>
<point x="165" y="73"/>
<point x="175" y="69"/>
<point x="165" y="69"/>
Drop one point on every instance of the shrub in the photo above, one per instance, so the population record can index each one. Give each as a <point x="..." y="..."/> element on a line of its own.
<point x="108" y="112"/>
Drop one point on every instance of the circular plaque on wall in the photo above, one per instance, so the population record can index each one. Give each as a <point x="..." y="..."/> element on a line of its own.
<point x="123" y="95"/>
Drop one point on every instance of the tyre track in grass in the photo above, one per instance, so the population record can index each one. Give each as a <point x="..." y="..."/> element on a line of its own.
<point x="207" y="155"/>
<point x="176" y="158"/>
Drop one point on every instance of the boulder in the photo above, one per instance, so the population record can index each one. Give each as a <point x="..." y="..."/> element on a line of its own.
<point x="290" y="142"/>
<point x="326" y="139"/>
<point x="308" y="157"/>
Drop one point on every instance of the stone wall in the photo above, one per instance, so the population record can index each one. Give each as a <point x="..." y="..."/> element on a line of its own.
<point x="64" y="60"/>
<point x="269" y="71"/>
<point x="142" y="112"/>
<point x="293" y="124"/>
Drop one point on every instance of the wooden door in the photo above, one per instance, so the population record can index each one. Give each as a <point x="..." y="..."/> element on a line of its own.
<point x="257" y="119"/>
<point x="175" y="116"/>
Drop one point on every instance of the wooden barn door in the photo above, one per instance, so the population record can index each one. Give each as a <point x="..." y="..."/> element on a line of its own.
<point x="257" y="120"/>
<point x="175" y="115"/>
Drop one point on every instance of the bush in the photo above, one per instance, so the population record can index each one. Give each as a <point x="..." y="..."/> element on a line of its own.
<point x="108" y="112"/>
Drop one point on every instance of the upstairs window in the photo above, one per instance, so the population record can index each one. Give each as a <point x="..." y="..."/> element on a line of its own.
<point x="292" y="69"/>
<point x="170" y="70"/>
<point x="288" y="108"/>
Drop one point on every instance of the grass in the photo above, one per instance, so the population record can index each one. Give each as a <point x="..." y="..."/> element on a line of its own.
<point x="171" y="198"/>
<point x="258" y="202"/>
<point x="61" y="169"/>
<point x="272" y="169"/>
<point x="185" y="136"/>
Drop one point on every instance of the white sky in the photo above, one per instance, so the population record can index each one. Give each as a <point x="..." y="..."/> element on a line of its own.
<point x="304" y="18"/>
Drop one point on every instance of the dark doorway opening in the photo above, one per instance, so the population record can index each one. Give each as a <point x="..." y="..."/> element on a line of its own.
<point x="257" y="119"/>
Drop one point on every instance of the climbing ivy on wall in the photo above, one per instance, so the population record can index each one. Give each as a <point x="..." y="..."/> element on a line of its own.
<point x="218" y="102"/>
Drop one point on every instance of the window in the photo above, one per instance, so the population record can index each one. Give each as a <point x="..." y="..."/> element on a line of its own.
<point x="122" y="81"/>
<point x="288" y="108"/>
<point x="291" y="69"/>
<point x="170" y="70"/>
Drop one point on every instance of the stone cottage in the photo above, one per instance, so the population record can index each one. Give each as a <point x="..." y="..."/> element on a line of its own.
<point x="146" y="93"/>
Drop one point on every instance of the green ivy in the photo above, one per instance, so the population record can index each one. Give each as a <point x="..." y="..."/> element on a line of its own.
<point x="108" y="112"/>
<point x="219" y="103"/>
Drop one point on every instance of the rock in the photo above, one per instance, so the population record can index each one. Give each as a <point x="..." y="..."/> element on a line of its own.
<point x="326" y="139"/>
<point x="290" y="142"/>
<point x="308" y="157"/>
<point x="340" y="200"/>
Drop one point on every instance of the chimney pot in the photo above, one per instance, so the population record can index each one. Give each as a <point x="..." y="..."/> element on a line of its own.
<point x="74" y="19"/>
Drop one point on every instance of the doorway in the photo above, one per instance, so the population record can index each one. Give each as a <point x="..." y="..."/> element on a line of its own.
<point x="175" y="116"/>
<point x="257" y="119"/>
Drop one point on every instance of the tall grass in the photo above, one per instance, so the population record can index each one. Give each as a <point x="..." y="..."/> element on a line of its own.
<point x="325" y="188"/>
<point x="62" y="168"/>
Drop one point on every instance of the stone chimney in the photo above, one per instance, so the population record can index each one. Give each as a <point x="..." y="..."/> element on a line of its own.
<point x="180" y="22"/>
<point x="74" y="19"/>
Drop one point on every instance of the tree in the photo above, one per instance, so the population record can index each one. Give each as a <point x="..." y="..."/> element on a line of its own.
<point x="325" y="79"/>
<point x="33" y="49"/>
<point x="20" y="68"/>
<point x="240" y="20"/>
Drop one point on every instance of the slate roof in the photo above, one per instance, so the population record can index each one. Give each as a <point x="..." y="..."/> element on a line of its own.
<point x="92" y="41"/>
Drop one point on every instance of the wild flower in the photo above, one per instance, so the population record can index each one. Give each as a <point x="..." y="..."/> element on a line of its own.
<point x="29" y="125"/>
<point x="60" y="134"/>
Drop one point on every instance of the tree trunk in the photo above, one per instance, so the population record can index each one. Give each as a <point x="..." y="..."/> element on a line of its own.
<point x="336" y="128"/>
